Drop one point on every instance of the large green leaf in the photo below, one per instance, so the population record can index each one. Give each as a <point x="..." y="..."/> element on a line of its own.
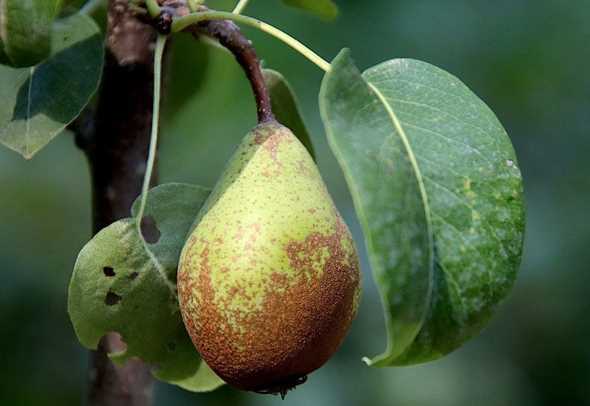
<point x="126" y="284"/>
<point x="286" y="107"/>
<point x="39" y="102"/>
<point x="325" y="9"/>
<point x="25" y="30"/>
<point x="438" y="192"/>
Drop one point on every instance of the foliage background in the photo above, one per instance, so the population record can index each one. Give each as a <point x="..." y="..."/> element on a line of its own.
<point x="529" y="60"/>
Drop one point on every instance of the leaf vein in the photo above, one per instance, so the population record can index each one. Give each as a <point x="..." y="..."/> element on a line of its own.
<point x="445" y="137"/>
<point x="470" y="207"/>
<point x="415" y="166"/>
<point x="458" y="119"/>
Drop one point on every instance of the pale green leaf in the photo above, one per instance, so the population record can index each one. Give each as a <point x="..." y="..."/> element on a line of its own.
<point x="123" y="284"/>
<point x="39" y="102"/>
<point x="438" y="192"/>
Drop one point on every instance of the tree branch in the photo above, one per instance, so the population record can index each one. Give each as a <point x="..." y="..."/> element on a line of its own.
<point x="116" y="145"/>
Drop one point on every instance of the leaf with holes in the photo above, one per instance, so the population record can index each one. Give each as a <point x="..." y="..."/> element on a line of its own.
<point x="286" y="107"/>
<point x="123" y="284"/>
<point x="325" y="9"/>
<point x="39" y="102"/>
<point x="438" y="192"/>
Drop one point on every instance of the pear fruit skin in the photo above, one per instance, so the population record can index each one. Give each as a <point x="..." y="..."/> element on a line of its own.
<point x="269" y="278"/>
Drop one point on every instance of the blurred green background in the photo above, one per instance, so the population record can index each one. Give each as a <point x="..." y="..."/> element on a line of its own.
<point x="529" y="60"/>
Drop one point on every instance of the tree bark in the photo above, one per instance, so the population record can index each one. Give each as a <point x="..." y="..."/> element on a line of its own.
<point x="116" y="148"/>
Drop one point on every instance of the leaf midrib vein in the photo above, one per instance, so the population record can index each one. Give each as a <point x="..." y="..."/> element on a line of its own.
<point x="414" y="162"/>
<point x="415" y="166"/>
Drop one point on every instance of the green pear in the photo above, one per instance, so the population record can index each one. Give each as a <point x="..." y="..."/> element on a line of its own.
<point x="268" y="279"/>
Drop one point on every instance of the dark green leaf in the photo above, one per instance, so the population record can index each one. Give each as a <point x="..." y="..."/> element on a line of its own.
<point x="286" y="107"/>
<point x="188" y="59"/>
<point x="438" y="192"/>
<point x="123" y="284"/>
<point x="325" y="9"/>
<point x="3" y="57"/>
<point x="39" y="102"/>
<point x="25" y="30"/>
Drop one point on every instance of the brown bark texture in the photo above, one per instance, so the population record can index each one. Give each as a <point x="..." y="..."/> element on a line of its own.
<point x="116" y="144"/>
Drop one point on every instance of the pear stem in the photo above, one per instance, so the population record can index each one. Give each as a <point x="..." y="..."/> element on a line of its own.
<point x="229" y="35"/>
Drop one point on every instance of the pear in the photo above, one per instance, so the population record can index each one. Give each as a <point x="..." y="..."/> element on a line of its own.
<point x="268" y="279"/>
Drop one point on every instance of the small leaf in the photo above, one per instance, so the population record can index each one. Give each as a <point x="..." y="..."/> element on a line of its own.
<point x="187" y="59"/>
<point x="25" y="30"/>
<point x="438" y="193"/>
<point x="286" y="107"/>
<point x="325" y="9"/>
<point x="39" y="102"/>
<point x="124" y="285"/>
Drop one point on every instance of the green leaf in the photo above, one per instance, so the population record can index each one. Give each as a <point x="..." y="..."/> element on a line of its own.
<point x="325" y="9"/>
<point x="187" y="59"/>
<point x="286" y="107"/>
<point x="121" y="283"/>
<point x="25" y="30"/>
<point x="39" y="102"/>
<point x="438" y="192"/>
<point x="3" y="57"/>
